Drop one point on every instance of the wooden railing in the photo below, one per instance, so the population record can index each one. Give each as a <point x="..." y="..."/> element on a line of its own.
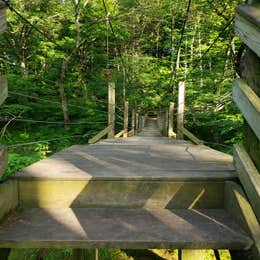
<point x="247" y="27"/>
<point x="3" y="89"/>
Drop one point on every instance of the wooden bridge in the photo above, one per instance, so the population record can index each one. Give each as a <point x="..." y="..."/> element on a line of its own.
<point x="145" y="190"/>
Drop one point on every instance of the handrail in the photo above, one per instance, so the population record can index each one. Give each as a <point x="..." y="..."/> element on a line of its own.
<point x="101" y="134"/>
<point x="190" y="135"/>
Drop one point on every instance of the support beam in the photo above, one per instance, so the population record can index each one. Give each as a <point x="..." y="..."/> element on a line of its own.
<point x="247" y="25"/>
<point x="181" y="107"/>
<point x="133" y="120"/>
<point x="249" y="177"/>
<point x="3" y="89"/>
<point x="171" y="119"/>
<point x="126" y="119"/>
<point x="237" y="205"/>
<point x="3" y="160"/>
<point x="136" y="122"/>
<point x="111" y="109"/>
<point x="101" y="134"/>
<point x="248" y="103"/>
<point x="2" y="16"/>
<point x="8" y="197"/>
<point x="166" y="121"/>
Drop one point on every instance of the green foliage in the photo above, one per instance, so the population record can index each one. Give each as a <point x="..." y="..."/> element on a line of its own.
<point x="144" y="43"/>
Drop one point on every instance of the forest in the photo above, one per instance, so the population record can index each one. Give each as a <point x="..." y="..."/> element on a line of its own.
<point x="59" y="56"/>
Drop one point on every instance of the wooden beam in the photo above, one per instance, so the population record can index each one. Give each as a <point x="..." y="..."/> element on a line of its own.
<point x="237" y="205"/>
<point x="249" y="104"/>
<point x="166" y="121"/>
<point x="3" y="160"/>
<point x="247" y="26"/>
<point x="8" y="197"/>
<point x="136" y="122"/>
<point x="170" y="122"/>
<point x="2" y="16"/>
<point x="111" y="109"/>
<point x="131" y="133"/>
<point x="3" y="89"/>
<point x="181" y="106"/>
<point x="121" y="133"/>
<point x="191" y="136"/>
<point x="126" y="119"/>
<point x="101" y="134"/>
<point x="249" y="177"/>
<point x="133" y="120"/>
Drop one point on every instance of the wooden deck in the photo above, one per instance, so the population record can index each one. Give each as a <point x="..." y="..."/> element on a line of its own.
<point x="146" y="191"/>
<point x="148" y="156"/>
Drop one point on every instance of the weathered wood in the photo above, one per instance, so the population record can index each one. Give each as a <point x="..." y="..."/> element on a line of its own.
<point x="111" y="109"/>
<point x="136" y="123"/>
<point x="3" y="89"/>
<point x="2" y="17"/>
<point x="133" y="120"/>
<point x="100" y="135"/>
<point x="121" y="133"/>
<point x="249" y="104"/>
<point x="123" y="228"/>
<point x="247" y="26"/>
<point x="171" y="118"/>
<point x="193" y="254"/>
<point x="126" y="108"/>
<point x="181" y="106"/>
<point x="249" y="177"/>
<point x="3" y="160"/>
<point x="122" y="194"/>
<point x="8" y="197"/>
<point x="191" y="136"/>
<point x="237" y="205"/>
<point x="166" y="121"/>
<point x="131" y="133"/>
<point x="96" y="254"/>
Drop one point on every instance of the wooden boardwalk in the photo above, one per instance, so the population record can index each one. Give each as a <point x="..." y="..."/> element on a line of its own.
<point x="146" y="191"/>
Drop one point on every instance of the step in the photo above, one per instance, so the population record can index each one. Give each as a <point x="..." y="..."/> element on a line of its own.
<point x="133" y="176"/>
<point x="122" y="228"/>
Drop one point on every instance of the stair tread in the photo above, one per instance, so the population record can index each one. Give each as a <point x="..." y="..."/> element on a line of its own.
<point x="122" y="228"/>
<point x="127" y="161"/>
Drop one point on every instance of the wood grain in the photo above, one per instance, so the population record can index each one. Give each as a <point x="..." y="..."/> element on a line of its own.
<point x="248" y="103"/>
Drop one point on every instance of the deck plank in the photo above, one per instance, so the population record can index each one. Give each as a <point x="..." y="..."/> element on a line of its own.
<point x="123" y="228"/>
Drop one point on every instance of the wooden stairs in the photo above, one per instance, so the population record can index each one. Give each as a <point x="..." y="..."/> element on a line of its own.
<point x="146" y="191"/>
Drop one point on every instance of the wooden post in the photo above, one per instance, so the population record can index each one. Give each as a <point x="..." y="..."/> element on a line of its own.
<point x="96" y="253"/>
<point x="136" y="123"/>
<point x="2" y="16"/>
<point x="170" y="119"/>
<point x="133" y="120"/>
<point x="181" y="105"/>
<point x="166" y="120"/>
<point x="111" y="108"/>
<point x="126" y="119"/>
<point x="3" y="89"/>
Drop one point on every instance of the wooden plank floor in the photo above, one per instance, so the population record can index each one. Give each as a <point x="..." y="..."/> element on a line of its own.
<point x="148" y="156"/>
<point x="123" y="228"/>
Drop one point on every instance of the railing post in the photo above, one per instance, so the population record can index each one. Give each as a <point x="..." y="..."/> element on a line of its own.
<point x="126" y="119"/>
<point x="170" y="119"/>
<point x="181" y="106"/>
<point x="111" y="108"/>
<point x="3" y="94"/>
<point x="166" y="120"/>
<point x="136" y="123"/>
<point x="133" y="120"/>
